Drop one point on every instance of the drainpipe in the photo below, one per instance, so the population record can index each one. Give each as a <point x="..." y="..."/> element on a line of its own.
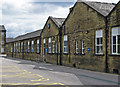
<point x="60" y="40"/>
<point x="106" y="53"/>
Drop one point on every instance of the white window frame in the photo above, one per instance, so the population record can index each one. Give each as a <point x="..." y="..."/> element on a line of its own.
<point x="32" y="46"/>
<point x="99" y="35"/>
<point x="38" y="46"/>
<point x="49" y="45"/>
<point x="83" y="49"/>
<point x="2" y="50"/>
<point x="44" y="42"/>
<point x="115" y="33"/>
<point x="76" y="47"/>
<point x="28" y="46"/>
<point x="53" y="47"/>
<point x="21" y="46"/>
<point x="56" y="47"/>
<point x="65" y="47"/>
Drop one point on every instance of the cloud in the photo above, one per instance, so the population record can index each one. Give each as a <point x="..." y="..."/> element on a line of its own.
<point x="23" y="16"/>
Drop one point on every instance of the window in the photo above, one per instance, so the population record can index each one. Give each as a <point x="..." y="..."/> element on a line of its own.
<point x="3" y="42"/>
<point x="83" y="47"/>
<point x="2" y="34"/>
<point x="59" y="47"/>
<point x="11" y="49"/>
<point x="49" y="45"/>
<point x="99" y="42"/>
<point x="28" y="46"/>
<point x="38" y="49"/>
<point x="76" y="46"/>
<point x="65" y="44"/>
<point x="53" y="46"/>
<point x="21" y="46"/>
<point x="14" y="47"/>
<point x="48" y="26"/>
<point x="44" y="47"/>
<point x="2" y="50"/>
<point x="56" y="47"/>
<point x="25" y="46"/>
<point x="116" y="41"/>
<point x="32" y="46"/>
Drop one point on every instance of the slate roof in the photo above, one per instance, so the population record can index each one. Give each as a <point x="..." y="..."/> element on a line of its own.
<point x="58" y="21"/>
<point x="101" y="7"/>
<point x="27" y="36"/>
<point x="2" y="28"/>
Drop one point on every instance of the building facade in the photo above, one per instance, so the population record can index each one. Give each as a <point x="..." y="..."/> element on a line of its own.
<point x="50" y="40"/>
<point x="2" y="39"/>
<point x="84" y="36"/>
<point x="25" y="46"/>
<point x="113" y="39"/>
<point x="89" y="38"/>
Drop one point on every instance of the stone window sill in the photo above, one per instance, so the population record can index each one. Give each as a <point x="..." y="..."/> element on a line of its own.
<point x="98" y="54"/>
<point x="114" y="55"/>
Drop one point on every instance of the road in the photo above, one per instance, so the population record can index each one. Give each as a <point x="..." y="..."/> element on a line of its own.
<point x="14" y="71"/>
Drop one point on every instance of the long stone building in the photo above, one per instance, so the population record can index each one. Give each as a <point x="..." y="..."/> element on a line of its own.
<point x="25" y="46"/>
<point x="2" y="39"/>
<point x="84" y="36"/>
<point x="89" y="38"/>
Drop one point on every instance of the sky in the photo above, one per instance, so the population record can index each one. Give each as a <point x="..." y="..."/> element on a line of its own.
<point x="23" y="16"/>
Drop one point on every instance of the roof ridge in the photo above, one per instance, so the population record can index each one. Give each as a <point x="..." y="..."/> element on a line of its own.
<point x="96" y="2"/>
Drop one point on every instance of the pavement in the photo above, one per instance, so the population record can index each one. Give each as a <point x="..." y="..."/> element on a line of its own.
<point x="14" y="71"/>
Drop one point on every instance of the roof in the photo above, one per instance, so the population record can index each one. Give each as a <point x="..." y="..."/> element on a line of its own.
<point x="58" y="21"/>
<point x="114" y="8"/>
<point x="27" y="36"/>
<point x="9" y="40"/>
<point x="101" y="7"/>
<point x="2" y="28"/>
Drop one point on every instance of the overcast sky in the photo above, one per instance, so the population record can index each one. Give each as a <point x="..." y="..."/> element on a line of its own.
<point x="23" y="16"/>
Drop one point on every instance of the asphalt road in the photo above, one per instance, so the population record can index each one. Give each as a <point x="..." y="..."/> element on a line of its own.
<point x="15" y="71"/>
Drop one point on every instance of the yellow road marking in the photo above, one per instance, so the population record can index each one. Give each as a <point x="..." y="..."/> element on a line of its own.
<point x="31" y="84"/>
<point x="24" y="74"/>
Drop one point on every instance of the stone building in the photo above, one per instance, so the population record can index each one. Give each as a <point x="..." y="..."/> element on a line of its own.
<point x="26" y="46"/>
<point x="89" y="38"/>
<point x="50" y="40"/>
<point x="2" y="39"/>
<point x="113" y="39"/>
<point x="84" y="36"/>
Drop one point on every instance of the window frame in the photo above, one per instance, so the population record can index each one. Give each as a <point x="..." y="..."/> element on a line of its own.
<point x="83" y="49"/>
<point x="117" y="34"/>
<point x="38" y="46"/>
<point x="65" y="48"/>
<point x="53" y="47"/>
<point x="76" y="47"/>
<point x="32" y="46"/>
<point x="49" y="45"/>
<point x="100" y="44"/>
